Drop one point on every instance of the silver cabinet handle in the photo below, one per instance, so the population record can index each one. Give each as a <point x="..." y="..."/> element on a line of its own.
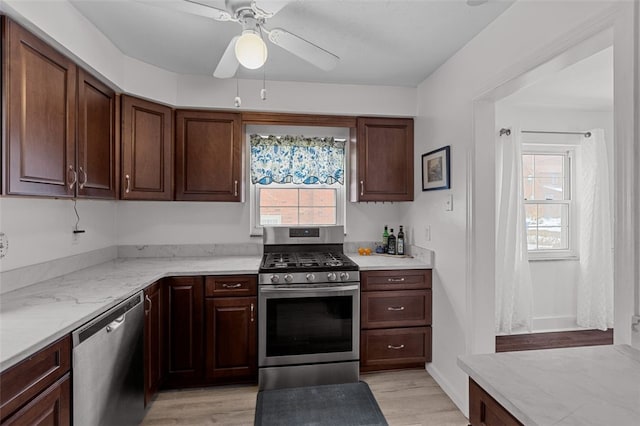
<point x="236" y="285"/>
<point x="395" y="347"/>
<point x="252" y="310"/>
<point x="361" y="188"/>
<point x="395" y="308"/>
<point x="235" y="188"/>
<point x="80" y="173"/>
<point x="75" y="176"/>
<point x="395" y="280"/>
<point x="146" y="296"/>
<point x="127" y="187"/>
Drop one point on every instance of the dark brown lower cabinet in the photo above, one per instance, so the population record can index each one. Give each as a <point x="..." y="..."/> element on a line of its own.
<point x="37" y="391"/>
<point x="153" y="340"/>
<point x="51" y="407"/>
<point x="231" y="339"/>
<point x="486" y="411"/>
<point x="184" y="318"/>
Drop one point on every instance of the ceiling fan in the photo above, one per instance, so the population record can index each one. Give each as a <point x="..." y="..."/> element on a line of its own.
<point x="249" y="48"/>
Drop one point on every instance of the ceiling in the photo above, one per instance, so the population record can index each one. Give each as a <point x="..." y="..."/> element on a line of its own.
<point x="586" y="85"/>
<point x="379" y="42"/>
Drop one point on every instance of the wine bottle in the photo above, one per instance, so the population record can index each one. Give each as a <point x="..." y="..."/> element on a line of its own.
<point x="400" y="242"/>
<point x="385" y="239"/>
<point x="392" y="243"/>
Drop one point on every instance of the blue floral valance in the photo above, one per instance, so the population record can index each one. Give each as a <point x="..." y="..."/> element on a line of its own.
<point x="296" y="159"/>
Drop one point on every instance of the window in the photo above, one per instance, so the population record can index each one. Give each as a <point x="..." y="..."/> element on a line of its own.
<point x="296" y="180"/>
<point x="549" y="207"/>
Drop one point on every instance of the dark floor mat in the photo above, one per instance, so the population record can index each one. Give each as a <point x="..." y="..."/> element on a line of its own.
<point x="347" y="404"/>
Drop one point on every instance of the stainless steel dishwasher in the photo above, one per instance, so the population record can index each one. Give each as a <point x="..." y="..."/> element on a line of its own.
<point x="108" y="380"/>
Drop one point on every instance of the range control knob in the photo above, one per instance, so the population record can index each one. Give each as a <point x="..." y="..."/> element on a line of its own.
<point x="344" y="276"/>
<point x="275" y="278"/>
<point x="288" y="278"/>
<point x="331" y="276"/>
<point x="311" y="277"/>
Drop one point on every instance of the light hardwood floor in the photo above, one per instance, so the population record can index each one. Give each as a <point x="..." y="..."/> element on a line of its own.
<point x="406" y="397"/>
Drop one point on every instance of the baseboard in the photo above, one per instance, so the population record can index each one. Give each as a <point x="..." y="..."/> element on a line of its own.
<point x="461" y="402"/>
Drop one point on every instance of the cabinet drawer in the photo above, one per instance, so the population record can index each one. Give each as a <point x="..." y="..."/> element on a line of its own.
<point x="51" y="407"/>
<point x="25" y="380"/>
<point x="232" y="285"/>
<point x="406" y="279"/>
<point x="395" y="348"/>
<point x="406" y="308"/>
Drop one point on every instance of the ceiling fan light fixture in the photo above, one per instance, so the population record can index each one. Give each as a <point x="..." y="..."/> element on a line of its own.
<point x="251" y="50"/>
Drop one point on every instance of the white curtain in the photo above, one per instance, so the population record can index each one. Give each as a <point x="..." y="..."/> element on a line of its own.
<point x="595" y="286"/>
<point x="514" y="299"/>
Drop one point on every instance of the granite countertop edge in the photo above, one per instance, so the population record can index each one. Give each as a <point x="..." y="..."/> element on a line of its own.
<point x="33" y="317"/>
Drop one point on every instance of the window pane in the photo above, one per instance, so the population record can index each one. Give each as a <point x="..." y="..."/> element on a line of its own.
<point x="548" y="189"/>
<point x="552" y="214"/>
<point x="552" y="238"/>
<point x="318" y="197"/>
<point x="528" y="189"/>
<point x="297" y="206"/>
<point x="527" y="165"/>
<point x="317" y="215"/>
<point x="531" y="212"/>
<point x="549" y="166"/>
<point x="278" y="215"/>
<point x="532" y="239"/>
<point x="278" y="197"/>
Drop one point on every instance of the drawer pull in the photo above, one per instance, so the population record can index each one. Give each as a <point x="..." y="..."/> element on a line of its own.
<point x="395" y="347"/>
<point x="236" y="285"/>
<point x="395" y="280"/>
<point x="395" y="308"/>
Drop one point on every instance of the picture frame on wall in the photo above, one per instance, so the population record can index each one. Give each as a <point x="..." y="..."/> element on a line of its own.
<point x="436" y="169"/>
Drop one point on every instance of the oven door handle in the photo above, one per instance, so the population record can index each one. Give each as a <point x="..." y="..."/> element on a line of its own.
<point x="264" y="289"/>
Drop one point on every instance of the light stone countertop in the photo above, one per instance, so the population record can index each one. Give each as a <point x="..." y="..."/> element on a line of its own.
<point x="595" y="385"/>
<point x="378" y="262"/>
<point x="35" y="316"/>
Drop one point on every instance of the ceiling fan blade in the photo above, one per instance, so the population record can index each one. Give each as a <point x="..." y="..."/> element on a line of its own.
<point x="193" y="8"/>
<point x="228" y="64"/>
<point x="304" y="49"/>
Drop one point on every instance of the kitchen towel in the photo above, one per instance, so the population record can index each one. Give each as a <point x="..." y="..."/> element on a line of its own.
<point x="347" y="404"/>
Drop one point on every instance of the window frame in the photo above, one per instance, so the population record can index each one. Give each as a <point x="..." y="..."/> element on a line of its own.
<point x="569" y="153"/>
<point x="255" y="229"/>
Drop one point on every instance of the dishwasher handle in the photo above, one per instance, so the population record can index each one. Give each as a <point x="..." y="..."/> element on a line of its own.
<point x="110" y="320"/>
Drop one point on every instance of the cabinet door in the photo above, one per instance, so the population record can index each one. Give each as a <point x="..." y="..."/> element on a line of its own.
<point x="147" y="150"/>
<point x="51" y="407"/>
<point x="208" y="156"/>
<point x="486" y="411"/>
<point x="231" y="339"/>
<point x="184" y="307"/>
<point x="96" y="138"/>
<point x="153" y="354"/>
<point x="385" y="159"/>
<point x="40" y="101"/>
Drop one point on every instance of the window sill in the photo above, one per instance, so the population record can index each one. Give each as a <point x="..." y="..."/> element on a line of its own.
<point x="553" y="257"/>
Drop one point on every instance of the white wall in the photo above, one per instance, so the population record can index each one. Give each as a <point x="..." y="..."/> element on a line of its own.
<point x="501" y="52"/>
<point x="555" y="282"/>
<point x="40" y="229"/>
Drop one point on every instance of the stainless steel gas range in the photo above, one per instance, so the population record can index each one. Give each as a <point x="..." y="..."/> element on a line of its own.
<point x="309" y="309"/>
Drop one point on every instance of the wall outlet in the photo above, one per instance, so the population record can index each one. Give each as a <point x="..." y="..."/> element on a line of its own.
<point x="4" y="245"/>
<point x="448" y="203"/>
<point x="427" y="233"/>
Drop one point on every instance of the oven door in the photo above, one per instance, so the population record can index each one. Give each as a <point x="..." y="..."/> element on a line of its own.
<point x="308" y="324"/>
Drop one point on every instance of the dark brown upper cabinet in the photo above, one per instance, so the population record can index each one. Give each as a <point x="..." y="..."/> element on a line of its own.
<point x="208" y="156"/>
<point x="60" y="135"/>
<point x="96" y="138"/>
<point x="384" y="160"/>
<point x="147" y="150"/>
<point x="40" y="99"/>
